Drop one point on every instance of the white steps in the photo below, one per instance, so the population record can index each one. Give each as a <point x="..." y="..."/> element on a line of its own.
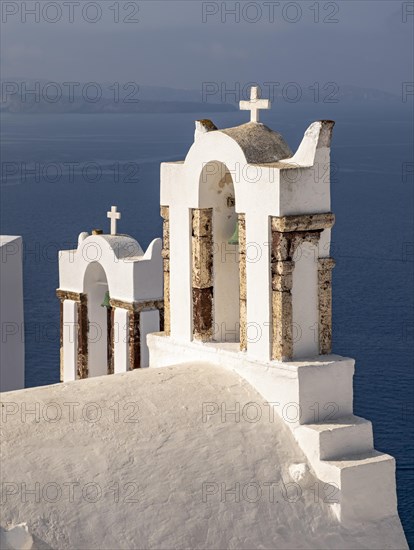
<point x="367" y="486"/>
<point x="343" y="437"/>
<point x="342" y="455"/>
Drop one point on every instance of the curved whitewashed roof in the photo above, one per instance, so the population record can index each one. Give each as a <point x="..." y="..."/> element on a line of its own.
<point x="130" y="273"/>
<point x="123" y="246"/>
<point x="141" y="439"/>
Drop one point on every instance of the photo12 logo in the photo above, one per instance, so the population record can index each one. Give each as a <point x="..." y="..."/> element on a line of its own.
<point x="88" y="172"/>
<point x="71" y="412"/>
<point x="269" y="12"/>
<point x="289" y="92"/>
<point x="69" y="92"/>
<point x="273" y="492"/>
<point x="68" y="491"/>
<point x="407" y="12"/>
<point x="70" y="12"/>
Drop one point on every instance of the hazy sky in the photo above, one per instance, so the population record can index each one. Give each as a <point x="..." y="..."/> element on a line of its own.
<point x="367" y="43"/>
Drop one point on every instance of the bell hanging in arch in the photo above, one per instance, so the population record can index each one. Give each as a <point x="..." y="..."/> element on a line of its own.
<point x="106" y="302"/>
<point x="235" y="237"/>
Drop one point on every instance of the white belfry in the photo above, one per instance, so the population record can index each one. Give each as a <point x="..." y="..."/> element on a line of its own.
<point x="113" y="215"/>
<point x="255" y="105"/>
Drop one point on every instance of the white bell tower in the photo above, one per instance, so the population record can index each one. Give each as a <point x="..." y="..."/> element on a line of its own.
<point x="263" y="307"/>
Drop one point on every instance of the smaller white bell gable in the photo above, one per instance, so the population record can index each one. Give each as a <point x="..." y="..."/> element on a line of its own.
<point x="132" y="274"/>
<point x="111" y="294"/>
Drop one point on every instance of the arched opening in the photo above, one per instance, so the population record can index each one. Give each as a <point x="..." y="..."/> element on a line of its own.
<point x="217" y="192"/>
<point x="99" y="320"/>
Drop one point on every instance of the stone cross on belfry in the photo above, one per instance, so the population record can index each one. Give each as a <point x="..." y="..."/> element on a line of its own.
<point x="113" y="215"/>
<point x="255" y="105"/>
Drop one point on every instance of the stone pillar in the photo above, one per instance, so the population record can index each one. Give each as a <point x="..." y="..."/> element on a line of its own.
<point x="282" y="342"/>
<point x="81" y="315"/>
<point x="243" y="282"/>
<point x="162" y="319"/>
<point x="130" y="330"/>
<point x="202" y="273"/>
<point x="282" y="312"/>
<point x="288" y="233"/>
<point x="83" y="329"/>
<point x="110" y="339"/>
<point x="166" y="318"/>
<point x="325" y="266"/>
<point x="134" y="340"/>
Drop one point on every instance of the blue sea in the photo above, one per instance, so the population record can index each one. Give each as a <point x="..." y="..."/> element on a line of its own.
<point x="61" y="174"/>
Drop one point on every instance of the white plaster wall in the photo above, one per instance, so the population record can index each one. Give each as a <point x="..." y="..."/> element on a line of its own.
<point x="325" y="244"/>
<point x="260" y="191"/>
<point x="121" y="347"/>
<point x="306" y="189"/>
<point x="289" y="385"/>
<point x="305" y="302"/>
<point x="129" y="277"/>
<point x="170" y="174"/>
<point x="214" y="147"/>
<point x="258" y="276"/>
<point x="149" y="322"/>
<point x="70" y="340"/>
<point x="256" y="186"/>
<point x="95" y="287"/>
<point x="95" y="249"/>
<point x="148" y="274"/>
<point x="181" y="273"/>
<point x="11" y="314"/>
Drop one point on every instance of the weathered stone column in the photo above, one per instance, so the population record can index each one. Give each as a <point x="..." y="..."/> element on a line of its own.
<point x="132" y="331"/>
<point x="288" y="233"/>
<point x="243" y="282"/>
<point x="282" y="313"/>
<point x="82" y="331"/>
<point x="325" y="267"/>
<point x="166" y="318"/>
<point x="282" y="345"/>
<point x="61" y="294"/>
<point x="134" y="340"/>
<point x="129" y="313"/>
<point x="202" y="273"/>
<point x="162" y="319"/>
<point x="110" y="338"/>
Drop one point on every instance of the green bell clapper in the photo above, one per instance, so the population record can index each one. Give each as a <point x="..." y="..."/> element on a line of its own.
<point x="106" y="302"/>
<point x="235" y="237"/>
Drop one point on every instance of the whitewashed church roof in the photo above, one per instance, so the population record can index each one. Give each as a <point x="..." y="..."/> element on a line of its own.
<point x="123" y="246"/>
<point x="141" y="439"/>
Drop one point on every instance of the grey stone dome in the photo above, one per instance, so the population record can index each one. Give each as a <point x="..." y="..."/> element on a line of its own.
<point x="259" y="143"/>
